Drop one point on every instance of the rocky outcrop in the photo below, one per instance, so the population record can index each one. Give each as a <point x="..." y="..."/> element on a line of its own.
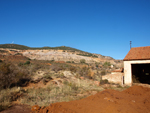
<point x="60" y="55"/>
<point x="56" y="55"/>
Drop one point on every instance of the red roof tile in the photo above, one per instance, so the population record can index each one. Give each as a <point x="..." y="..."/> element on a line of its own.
<point x="138" y="53"/>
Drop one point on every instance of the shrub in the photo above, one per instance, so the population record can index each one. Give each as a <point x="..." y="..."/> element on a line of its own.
<point x="72" y="85"/>
<point x="4" y="75"/>
<point x="72" y="69"/>
<point x="106" y="64"/>
<point x="103" y="72"/>
<point x="52" y="61"/>
<point x="12" y="75"/>
<point x="68" y="61"/>
<point x="104" y="81"/>
<point x="20" y="64"/>
<point x="96" y="65"/>
<point x="84" y="72"/>
<point x="27" y="63"/>
<point x="47" y="76"/>
<point x="1" y="61"/>
<point x="56" y="67"/>
<point x="82" y="61"/>
<point x="29" y="59"/>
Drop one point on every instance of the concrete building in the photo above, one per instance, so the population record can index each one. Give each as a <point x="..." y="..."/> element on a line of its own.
<point x="137" y="65"/>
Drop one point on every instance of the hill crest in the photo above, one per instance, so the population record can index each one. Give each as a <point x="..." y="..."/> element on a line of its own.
<point x="64" y="48"/>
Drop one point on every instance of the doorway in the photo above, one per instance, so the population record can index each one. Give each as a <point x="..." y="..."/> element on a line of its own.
<point x="140" y="73"/>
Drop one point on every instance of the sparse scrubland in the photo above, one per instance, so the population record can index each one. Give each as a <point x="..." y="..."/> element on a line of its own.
<point x="31" y="77"/>
<point x="44" y="82"/>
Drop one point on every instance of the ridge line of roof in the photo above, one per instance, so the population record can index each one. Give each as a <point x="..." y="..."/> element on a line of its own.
<point x="140" y="47"/>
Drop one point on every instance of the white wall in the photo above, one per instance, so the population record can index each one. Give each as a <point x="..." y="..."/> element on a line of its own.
<point x="114" y="78"/>
<point x="128" y="71"/>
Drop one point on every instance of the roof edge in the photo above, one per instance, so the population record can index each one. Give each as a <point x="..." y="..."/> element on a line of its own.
<point x="134" y="59"/>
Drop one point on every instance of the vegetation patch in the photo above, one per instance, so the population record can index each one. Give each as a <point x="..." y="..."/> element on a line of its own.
<point x="88" y="55"/>
<point x="12" y="75"/>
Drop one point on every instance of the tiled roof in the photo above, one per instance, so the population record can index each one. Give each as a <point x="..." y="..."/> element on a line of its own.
<point x="138" y="53"/>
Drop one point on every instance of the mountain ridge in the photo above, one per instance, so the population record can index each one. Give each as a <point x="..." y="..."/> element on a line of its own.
<point x="64" y="48"/>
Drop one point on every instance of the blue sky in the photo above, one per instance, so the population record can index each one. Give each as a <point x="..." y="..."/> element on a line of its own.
<point x="98" y="26"/>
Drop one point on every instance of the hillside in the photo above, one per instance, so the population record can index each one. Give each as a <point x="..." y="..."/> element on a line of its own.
<point x="14" y="46"/>
<point x="44" y="76"/>
<point x="64" y="48"/>
<point x="22" y="47"/>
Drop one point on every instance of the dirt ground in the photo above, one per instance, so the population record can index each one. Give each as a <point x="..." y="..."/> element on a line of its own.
<point x="135" y="99"/>
<point x="18" y="109"/>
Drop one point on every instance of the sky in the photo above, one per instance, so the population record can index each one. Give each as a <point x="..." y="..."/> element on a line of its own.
<point x="104" y="27"/>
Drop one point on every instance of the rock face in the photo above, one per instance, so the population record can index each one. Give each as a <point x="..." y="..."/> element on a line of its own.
<point x="56" y="55"/>
<point x="59" y="55"/>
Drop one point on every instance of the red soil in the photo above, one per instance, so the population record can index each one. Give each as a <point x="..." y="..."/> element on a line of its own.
<point x="135" y="99"/>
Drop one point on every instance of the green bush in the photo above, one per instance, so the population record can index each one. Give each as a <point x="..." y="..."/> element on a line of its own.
<point x="20" y="64"/>
<point x="68" y="61"/>
<point x="104" y="81"/>
<point x="47" y="76"/>
<point x="72" y="85"/>
<point x="82" y="61"/>
<point x="1" y="61"/>
<point x="29" y="59"/>
<point x="27" y="63"/>
<point x="107" y="64"/>
<point x="51" y="61"/>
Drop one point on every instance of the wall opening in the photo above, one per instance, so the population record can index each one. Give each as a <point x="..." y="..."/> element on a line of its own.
<point x="140" y="73"/>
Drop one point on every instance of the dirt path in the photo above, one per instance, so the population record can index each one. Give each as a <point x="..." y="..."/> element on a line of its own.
<point x="135" y="99"/>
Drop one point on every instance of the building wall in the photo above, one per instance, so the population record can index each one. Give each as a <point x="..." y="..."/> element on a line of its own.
<point x="114" y="78"/>
<point x="128" y="71"/>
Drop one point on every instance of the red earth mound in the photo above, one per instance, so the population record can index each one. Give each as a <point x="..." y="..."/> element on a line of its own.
<point x="135" y="99"/>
